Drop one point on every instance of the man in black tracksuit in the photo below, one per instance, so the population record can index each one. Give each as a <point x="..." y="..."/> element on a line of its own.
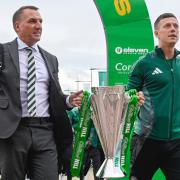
<point x="156" y="143"/>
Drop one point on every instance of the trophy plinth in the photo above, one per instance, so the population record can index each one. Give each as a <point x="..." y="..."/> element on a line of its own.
<point x="107" y="170"/>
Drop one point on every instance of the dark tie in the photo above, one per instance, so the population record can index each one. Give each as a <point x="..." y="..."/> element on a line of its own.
<point x="31" y="80"/>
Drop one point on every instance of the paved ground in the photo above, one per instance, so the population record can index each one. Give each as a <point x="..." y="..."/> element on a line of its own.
<point x="88" y="177"/>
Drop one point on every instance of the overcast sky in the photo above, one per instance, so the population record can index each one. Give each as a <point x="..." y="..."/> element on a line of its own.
<point x="73" y="31"/>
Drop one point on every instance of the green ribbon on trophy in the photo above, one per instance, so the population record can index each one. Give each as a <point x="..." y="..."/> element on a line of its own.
<point x="131" y="114"/>
<point x="82" y="133"/>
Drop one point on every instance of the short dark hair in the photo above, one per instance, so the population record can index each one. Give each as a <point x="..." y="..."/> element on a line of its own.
<point x="163" y="16"/>
<point x="17" y="14"/>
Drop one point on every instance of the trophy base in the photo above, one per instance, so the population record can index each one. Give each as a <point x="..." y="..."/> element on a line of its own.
<point x="108" y="170"/>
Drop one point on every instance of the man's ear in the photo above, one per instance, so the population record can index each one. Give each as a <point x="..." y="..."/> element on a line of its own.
<point x="16" y="26"/>
<point x="156" y="33"/>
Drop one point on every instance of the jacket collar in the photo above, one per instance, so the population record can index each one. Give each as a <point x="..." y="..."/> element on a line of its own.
<point x="160" y="52"/>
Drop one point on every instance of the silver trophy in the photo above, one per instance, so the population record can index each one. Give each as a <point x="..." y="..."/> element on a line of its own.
<point x="109" y="106"/>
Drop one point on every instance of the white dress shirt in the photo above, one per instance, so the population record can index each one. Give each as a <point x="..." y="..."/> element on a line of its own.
<point x="42" y="81"/>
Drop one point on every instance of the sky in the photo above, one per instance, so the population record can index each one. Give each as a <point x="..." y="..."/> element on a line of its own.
<point x="73" y="31"/>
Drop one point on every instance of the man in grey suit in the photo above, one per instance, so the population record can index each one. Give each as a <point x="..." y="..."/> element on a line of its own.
<point x="33" y="122"/>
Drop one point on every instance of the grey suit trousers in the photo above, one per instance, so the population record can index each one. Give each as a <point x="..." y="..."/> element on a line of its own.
<point x="31" y="151"/>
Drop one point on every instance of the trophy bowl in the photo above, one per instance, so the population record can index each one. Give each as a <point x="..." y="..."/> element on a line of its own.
<point x="109" y="107"/>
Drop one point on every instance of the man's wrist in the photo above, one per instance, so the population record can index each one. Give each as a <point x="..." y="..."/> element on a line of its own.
<point x="68" y="103"/>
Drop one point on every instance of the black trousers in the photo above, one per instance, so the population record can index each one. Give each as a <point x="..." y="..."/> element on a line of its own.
<point x="31" y="151"/>
<point x="64" y="160"/>
<point x="155" y="154"/>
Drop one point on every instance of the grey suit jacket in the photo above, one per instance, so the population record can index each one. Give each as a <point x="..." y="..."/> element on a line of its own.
<point x="10" y="103"/>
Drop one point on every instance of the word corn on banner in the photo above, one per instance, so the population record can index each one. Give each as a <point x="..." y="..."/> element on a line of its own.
<point x="128" y="35"/>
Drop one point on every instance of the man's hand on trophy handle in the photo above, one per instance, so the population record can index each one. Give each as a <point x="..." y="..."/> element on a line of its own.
<point x="76" y="99"/>
<point x="140" y="96"/>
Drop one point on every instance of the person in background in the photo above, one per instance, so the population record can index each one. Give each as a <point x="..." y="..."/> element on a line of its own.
<point x="156" y="76"/>
<point x="94" y="155"/>
<point x="34" y="124"/>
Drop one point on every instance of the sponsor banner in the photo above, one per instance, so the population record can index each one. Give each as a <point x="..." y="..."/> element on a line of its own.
<point x="128" y="35"/>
